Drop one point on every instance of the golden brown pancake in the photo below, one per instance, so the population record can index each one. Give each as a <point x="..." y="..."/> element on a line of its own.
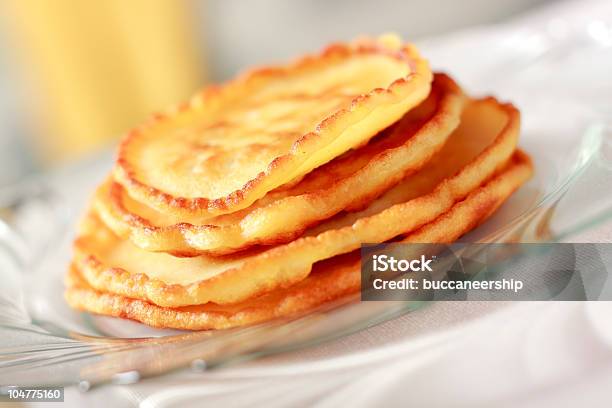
<point x="348" y="182"/>
<point x="477" y="149"/>
<point x="234" y="143"/>
<point x="330" y="279"/>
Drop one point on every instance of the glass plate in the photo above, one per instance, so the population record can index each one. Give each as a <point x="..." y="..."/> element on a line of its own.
<point x="564" y="129"/>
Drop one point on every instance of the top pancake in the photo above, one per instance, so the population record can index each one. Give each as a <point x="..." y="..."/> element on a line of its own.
<point x="348" y="182"/>
<point x="232" y="144"/>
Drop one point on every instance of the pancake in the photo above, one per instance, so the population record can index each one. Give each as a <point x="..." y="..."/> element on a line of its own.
<point x="346" y="183"/>
<point x="330" y="279"/>
<point x="232" y="144"/>
<point x="477" y="149"/>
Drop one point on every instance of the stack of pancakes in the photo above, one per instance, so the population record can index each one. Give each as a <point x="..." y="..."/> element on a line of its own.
<point x="251" y="201"/>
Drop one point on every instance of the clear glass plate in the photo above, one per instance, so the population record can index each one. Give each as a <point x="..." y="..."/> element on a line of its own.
<point x="565" y="129"/>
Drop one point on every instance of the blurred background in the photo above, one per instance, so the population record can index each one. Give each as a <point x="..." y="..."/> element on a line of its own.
<point x="75" y="75"/>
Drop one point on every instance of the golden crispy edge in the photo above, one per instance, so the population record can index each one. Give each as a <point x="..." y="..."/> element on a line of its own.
<point x="415" y="86"/>
<point x="478" y="206"/>
<point x="342" y="278"/>
<point x="285" y="265"/>
<point x="328" y="284"/>
<point x="390" y="166"/>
